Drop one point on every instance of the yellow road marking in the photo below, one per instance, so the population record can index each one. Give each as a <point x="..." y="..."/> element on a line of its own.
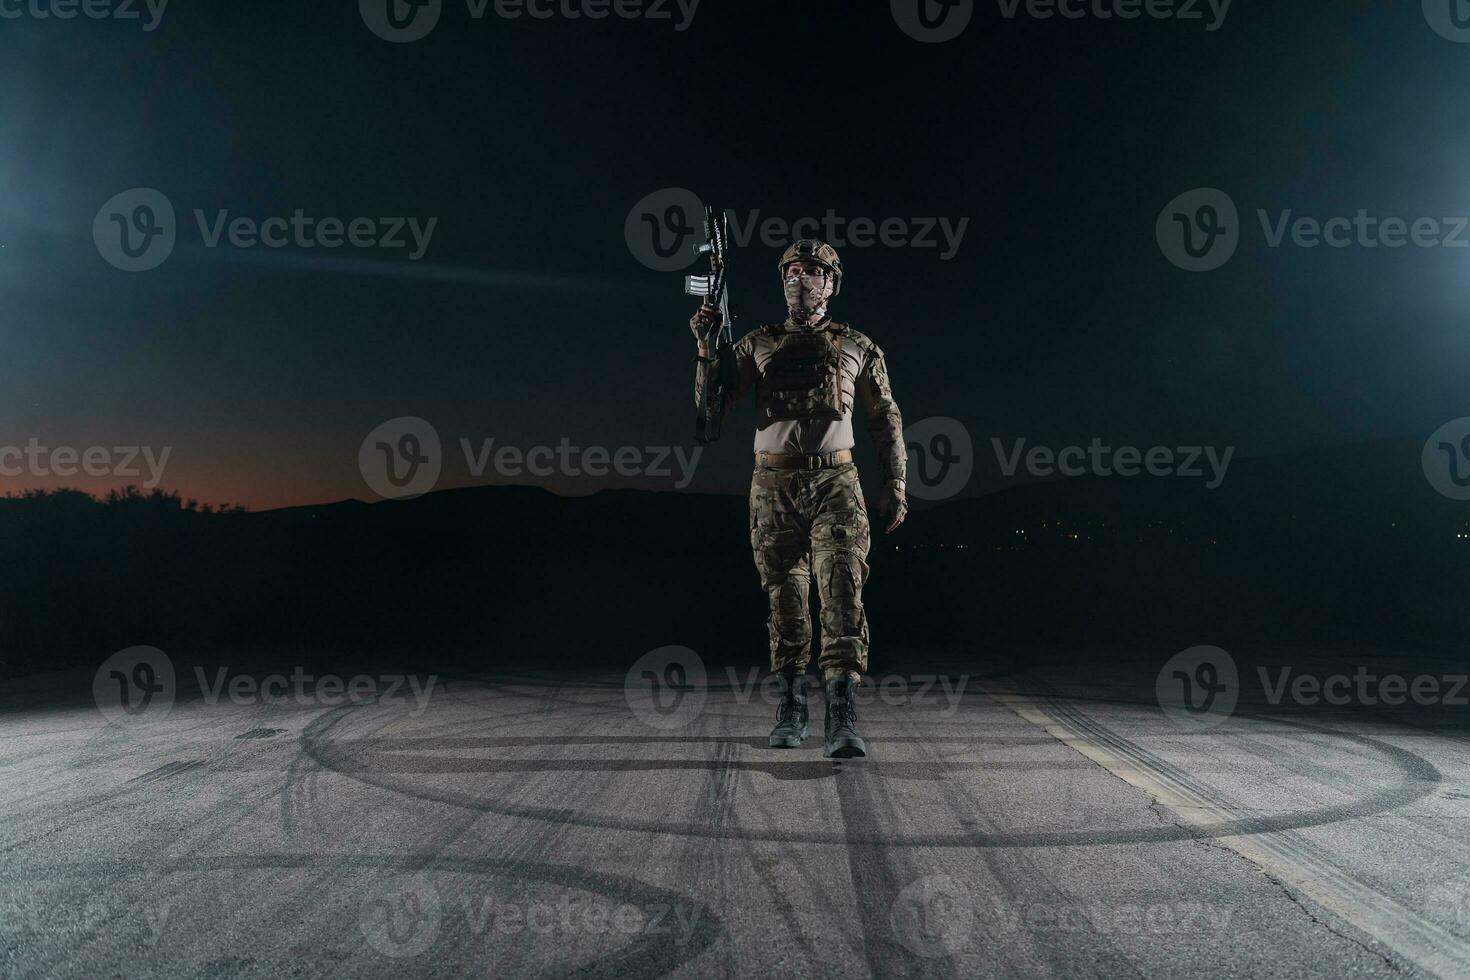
<point x="1285" y="855"/>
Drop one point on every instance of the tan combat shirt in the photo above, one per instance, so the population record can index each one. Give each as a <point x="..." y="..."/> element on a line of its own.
<point x="799" y="408"/>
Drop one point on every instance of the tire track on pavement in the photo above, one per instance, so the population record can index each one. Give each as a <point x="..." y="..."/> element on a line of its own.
<point x="1296" y="863"/>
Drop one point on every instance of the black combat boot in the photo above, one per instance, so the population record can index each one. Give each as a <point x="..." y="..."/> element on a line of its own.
<point x="843" y="741"/>
<point x="791" y="725"/>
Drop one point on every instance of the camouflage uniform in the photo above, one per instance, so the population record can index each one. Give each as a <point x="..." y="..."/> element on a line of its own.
<point x="812" y="522"/>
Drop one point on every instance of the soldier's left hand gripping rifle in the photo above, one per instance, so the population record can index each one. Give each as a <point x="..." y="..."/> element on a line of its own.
<point x="714" y="288"/>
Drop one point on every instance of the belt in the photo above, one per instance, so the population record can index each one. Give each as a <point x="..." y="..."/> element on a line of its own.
<point x="802" y="461"/>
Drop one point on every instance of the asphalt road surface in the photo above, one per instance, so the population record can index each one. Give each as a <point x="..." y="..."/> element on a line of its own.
<point x="1024" y="823"/>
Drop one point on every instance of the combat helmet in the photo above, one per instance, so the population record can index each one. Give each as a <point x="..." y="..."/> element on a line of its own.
<point x="810" y="249"/>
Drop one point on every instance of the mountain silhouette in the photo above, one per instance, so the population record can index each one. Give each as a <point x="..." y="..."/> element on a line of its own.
<point x="1347" y="544"/>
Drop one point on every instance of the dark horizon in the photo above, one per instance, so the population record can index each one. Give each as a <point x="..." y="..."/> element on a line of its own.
<point x="987" y="480"/>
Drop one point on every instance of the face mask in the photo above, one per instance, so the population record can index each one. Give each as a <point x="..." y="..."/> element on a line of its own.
<point x="807" y="292"/>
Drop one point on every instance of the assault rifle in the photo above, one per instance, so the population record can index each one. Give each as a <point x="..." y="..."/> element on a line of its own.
<point x="715" y="290"/>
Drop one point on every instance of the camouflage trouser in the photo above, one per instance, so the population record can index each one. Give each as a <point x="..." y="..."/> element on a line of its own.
<point x="807" y="524"/>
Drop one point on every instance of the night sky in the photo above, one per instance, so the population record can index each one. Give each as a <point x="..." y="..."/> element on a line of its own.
<point x="529" y="320"/>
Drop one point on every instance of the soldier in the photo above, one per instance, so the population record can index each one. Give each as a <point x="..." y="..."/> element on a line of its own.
<point x="807" y="517"/>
